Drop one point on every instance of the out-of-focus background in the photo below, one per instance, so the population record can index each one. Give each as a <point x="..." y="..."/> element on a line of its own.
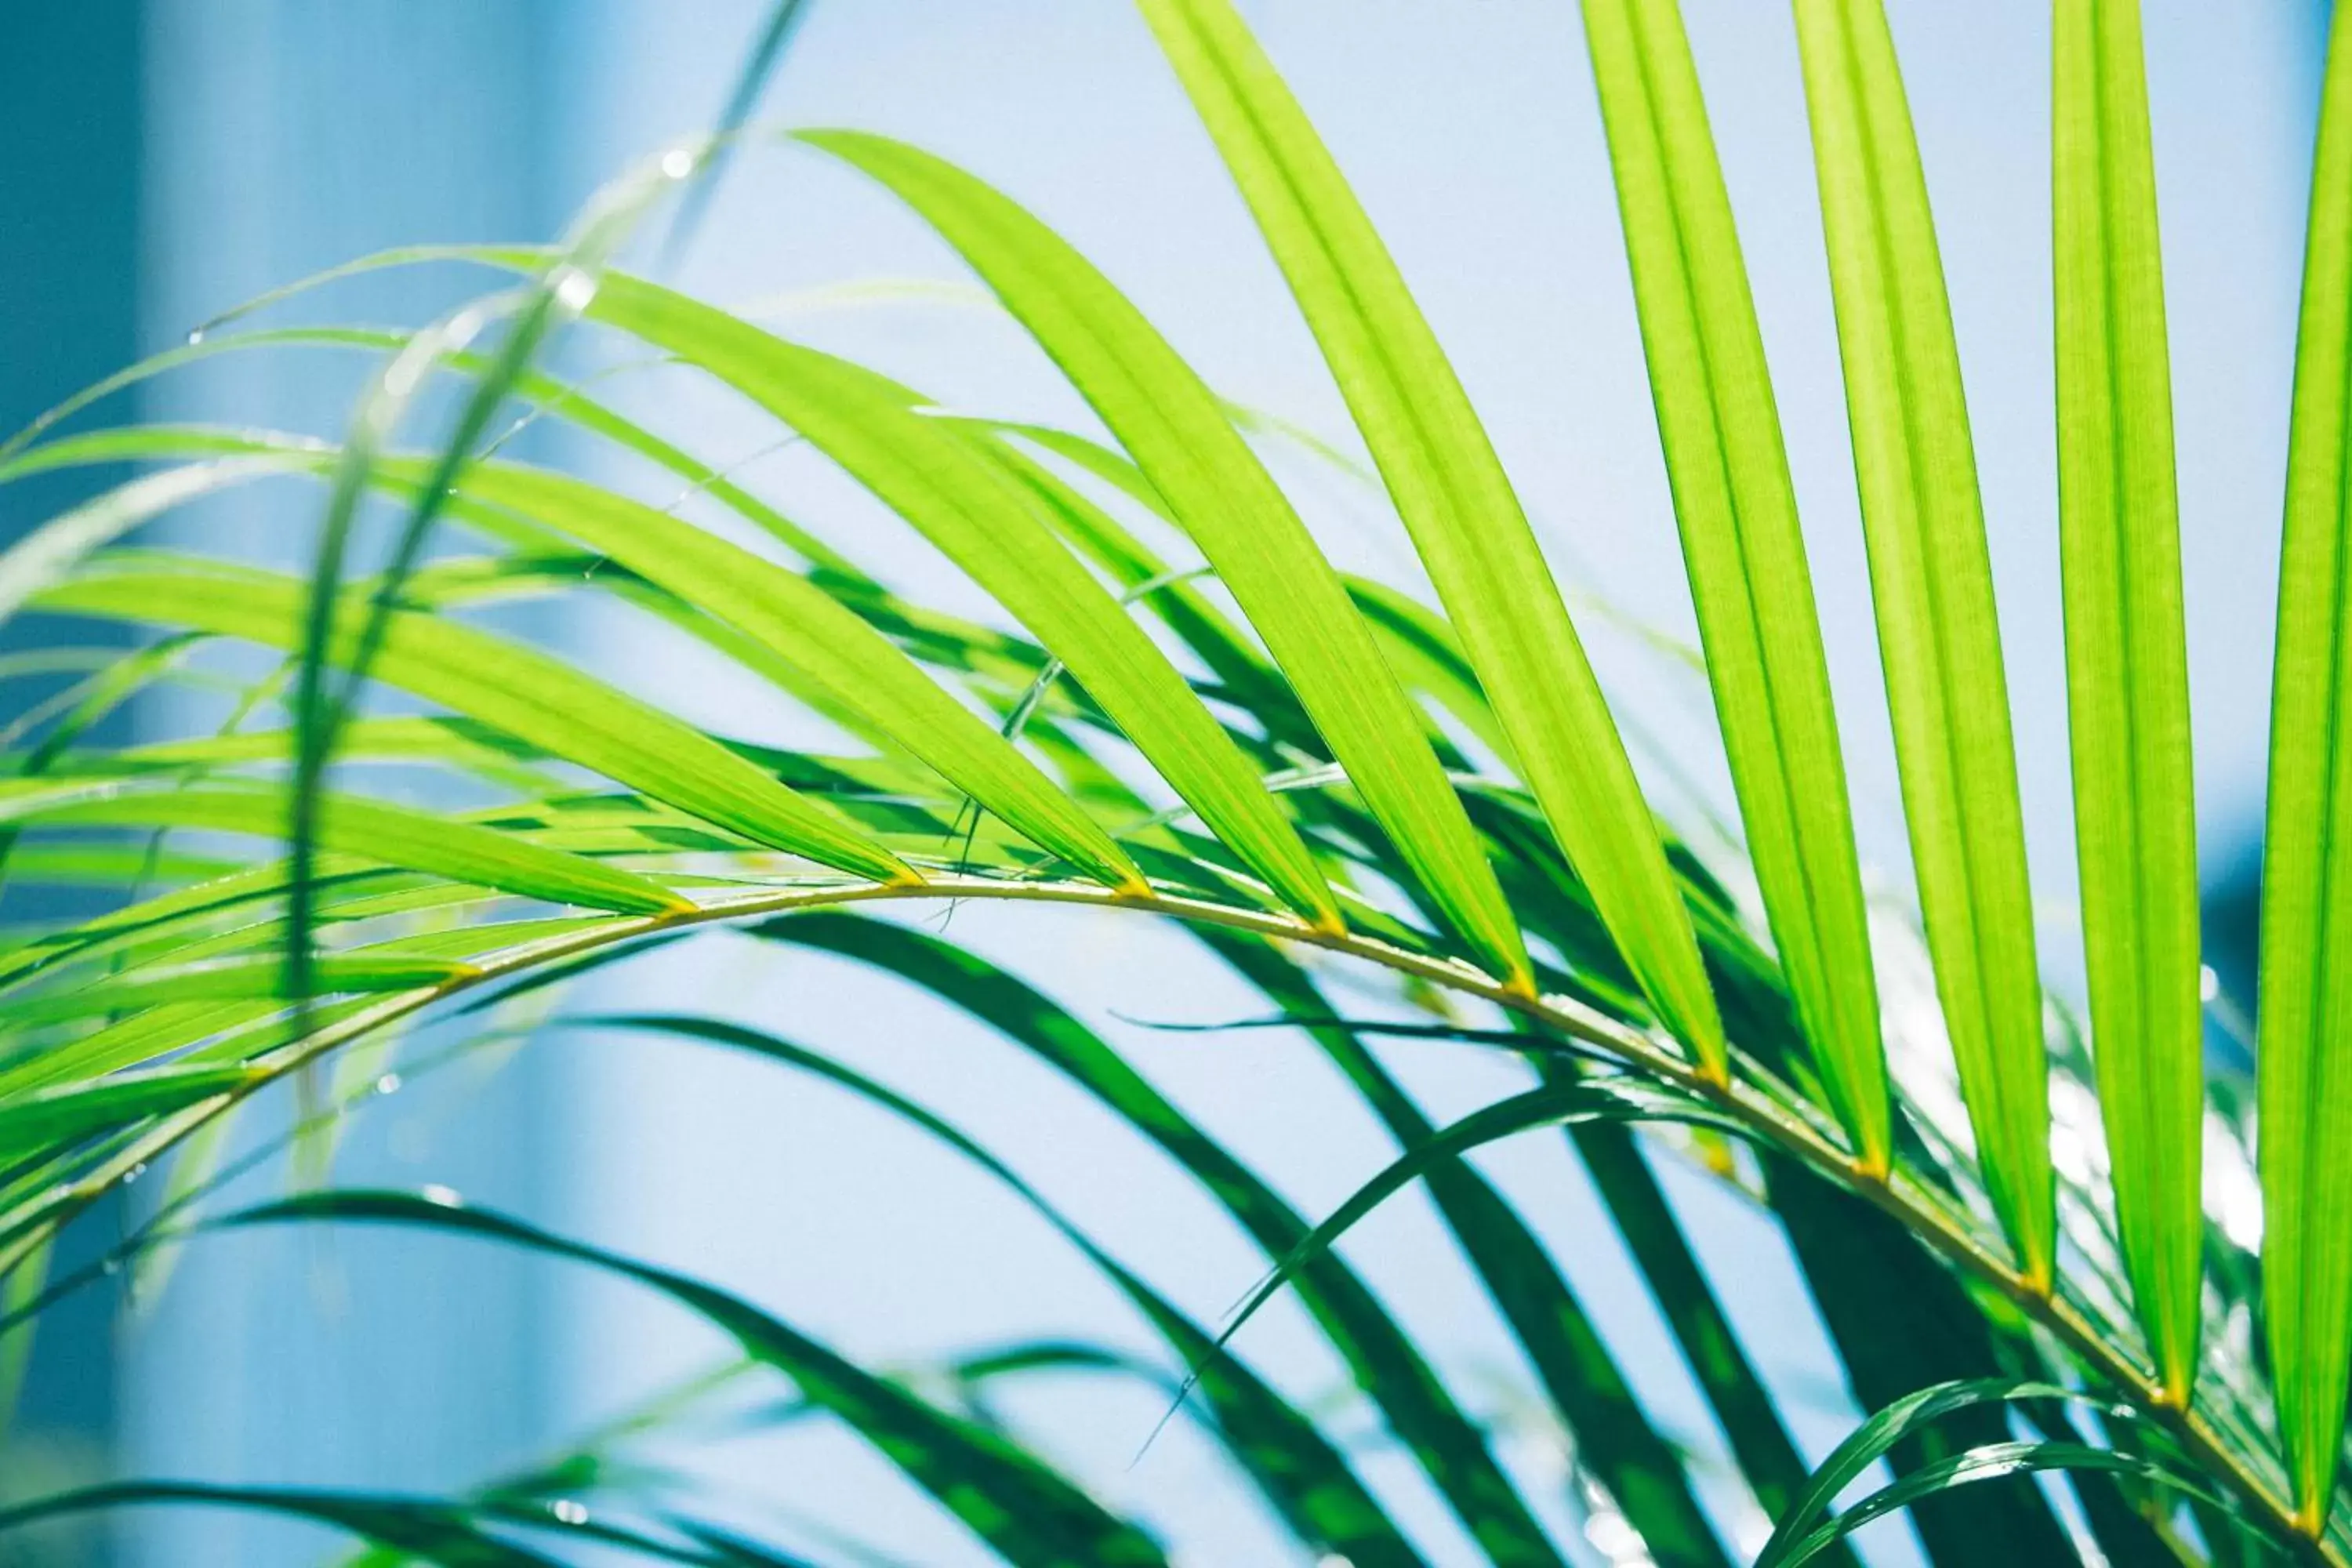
<point x="162" y="162"/>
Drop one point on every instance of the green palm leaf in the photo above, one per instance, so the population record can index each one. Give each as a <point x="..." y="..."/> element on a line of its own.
<point x="1029" y="1514"/>
<point x="1190" y="453"/>
<point x="62" y="1115"/>
<point x="928" y="474"/>
<point x="1448" y="1445"/>
<point x="1317" y="803"/>
<point x="245" y="978"/>
<point x="833" y="648"/>
<point x="1746" y="556"/>
<point x="2128" y="670"/>
<point x="2306" y="948"/>
<point x="1450" y="489"/>
<point x="1931" y="581"/>
<point x="518" y="689"/>
<point x="394" y="835"/>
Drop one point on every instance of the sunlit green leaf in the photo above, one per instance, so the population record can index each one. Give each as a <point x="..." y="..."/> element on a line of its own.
<point x="392" y="833"/>
<point x="1189" y="451"/>
<point x="928" y="474"/>
<point x="261" y="977"/>
<point x="1450" y="488"/>
<point x="506" y="684"/>
<point x="1745" y="555"/>
<point x="2128" y="670"/>
<point x="62" y="1115"/>
<point x="2306" y="938"/>
<point x="810" y="629"/>
<point x="1931" y="585"/>
<point x="49" y="554"/>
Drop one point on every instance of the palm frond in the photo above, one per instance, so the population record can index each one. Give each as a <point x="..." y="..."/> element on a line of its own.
<point x="1738" y="511"/>
<point x="1177" y="707"/>
<point x="1450" y="489"/>
<point x="1931" y="584"/>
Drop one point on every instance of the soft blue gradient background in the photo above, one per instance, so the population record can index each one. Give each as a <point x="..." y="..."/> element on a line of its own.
<point x="286" y="136"/>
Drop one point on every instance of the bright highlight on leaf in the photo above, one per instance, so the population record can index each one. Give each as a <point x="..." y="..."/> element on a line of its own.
<point x="1741" y="545"/>
<point x="1931" y="585"/>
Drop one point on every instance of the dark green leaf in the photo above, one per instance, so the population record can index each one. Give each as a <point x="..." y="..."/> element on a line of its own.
<point x="1025" y="1512"/>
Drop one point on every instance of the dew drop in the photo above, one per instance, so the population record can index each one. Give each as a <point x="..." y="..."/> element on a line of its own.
<point x="678" y="162"/>
<point x="195" y="336"/>
<point x="2209" y="983"/>
<point x="567" y="1512"/>
<point x="575" y="289"/>
<point x="133" y="1174"/>
<point x="388" y="1084"/>
<point x="1612" y="1535"/>
<point x="441" y="1196"/>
